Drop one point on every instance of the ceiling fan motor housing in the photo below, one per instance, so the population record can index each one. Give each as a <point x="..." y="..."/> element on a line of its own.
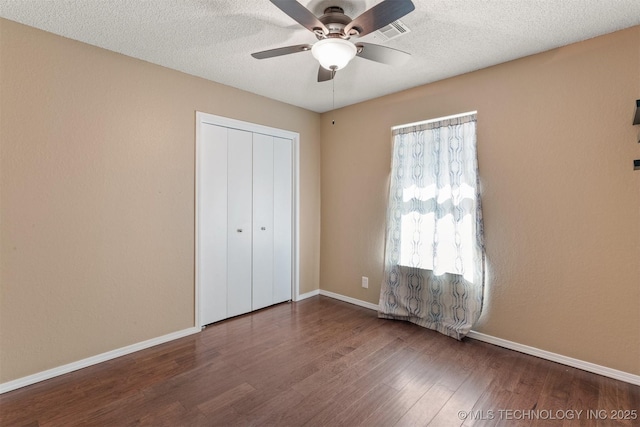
<point x="335" y="20"/>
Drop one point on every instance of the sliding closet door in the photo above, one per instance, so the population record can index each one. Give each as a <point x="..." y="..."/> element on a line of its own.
<point x="272" y="216"/>
<point x="239" y="224"/>
<point x="283" y="219"/>
<point x="245" y="218"/>
<point x="262" y="221"/>
<point x="212" y="214"/>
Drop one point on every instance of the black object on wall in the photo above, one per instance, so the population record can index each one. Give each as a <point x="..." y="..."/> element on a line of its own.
<point x="636" y="119"/>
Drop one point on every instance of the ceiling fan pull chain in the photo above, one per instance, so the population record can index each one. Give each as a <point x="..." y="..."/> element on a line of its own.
<point x="333" y="89"/>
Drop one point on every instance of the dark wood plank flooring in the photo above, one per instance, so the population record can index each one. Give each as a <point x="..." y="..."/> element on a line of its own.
<point x="322" y="362"/>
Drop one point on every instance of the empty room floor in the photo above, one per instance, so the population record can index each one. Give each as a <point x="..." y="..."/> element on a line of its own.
<point x="323" y="362"/>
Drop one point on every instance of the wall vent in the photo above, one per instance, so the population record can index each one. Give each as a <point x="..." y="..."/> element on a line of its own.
<point x="391" y="31"/>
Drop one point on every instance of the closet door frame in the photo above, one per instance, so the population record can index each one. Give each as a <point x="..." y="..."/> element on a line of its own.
<point x="203" y="119"/>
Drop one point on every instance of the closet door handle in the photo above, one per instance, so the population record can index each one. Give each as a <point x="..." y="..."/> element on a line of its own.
<point x="239" y="230"/>
<point x="263" y="228"/>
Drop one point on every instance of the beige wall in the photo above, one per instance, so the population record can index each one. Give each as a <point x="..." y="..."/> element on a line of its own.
<point x="561" y="199"/>
<point x="97" y="196"/>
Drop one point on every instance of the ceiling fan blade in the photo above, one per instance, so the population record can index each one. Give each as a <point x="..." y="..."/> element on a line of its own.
<point x="281" y="51"/>
<point x="301" y="15"/>
<point x="383" y="54"/>
<point x="325" y="75"/>
<point x="384" y="13"/>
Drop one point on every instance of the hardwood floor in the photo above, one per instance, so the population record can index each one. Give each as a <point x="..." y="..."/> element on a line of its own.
<point x="322" y="362"/>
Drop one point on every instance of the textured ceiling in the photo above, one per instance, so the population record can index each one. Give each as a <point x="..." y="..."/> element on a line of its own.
<point x="213" y="39"/>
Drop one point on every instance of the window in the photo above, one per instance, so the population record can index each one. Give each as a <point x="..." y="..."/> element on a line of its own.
<point x="434" y="202"/>
<point x="434" y="254"/>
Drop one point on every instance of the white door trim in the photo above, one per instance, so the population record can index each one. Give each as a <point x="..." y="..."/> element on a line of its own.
<point x="205" y="118"/>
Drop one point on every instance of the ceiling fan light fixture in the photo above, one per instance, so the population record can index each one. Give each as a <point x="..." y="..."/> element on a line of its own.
<point x="334" y="53"/>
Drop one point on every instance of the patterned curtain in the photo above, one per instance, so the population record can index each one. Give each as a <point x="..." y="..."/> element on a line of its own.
<point x="434" y="256"/>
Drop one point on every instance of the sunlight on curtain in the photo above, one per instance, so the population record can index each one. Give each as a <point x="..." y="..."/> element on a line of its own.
<point x="434" y="258"/>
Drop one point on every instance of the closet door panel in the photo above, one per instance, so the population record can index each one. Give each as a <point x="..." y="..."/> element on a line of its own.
<point x="212" y="217"/>
<point x="239" y="211"/>
<point x="263" y="170"/>
<point x="283" y="219"/>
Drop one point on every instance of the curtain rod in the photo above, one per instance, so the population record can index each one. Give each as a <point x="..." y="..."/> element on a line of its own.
<point x="424" y="122"/>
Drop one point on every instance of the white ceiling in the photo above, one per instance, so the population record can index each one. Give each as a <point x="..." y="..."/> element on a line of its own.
<point x="213" y="39"/>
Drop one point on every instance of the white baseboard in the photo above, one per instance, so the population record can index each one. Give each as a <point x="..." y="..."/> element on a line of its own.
<point x="559" y="358"/>
<point x="543" y="354"/>
<point x="554" y="357"/>
<point x="350" y="300"/>
<point x="74" y="366"/>
<point x="308" y="295"/>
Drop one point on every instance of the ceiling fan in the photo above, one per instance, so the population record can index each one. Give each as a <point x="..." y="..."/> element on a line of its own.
<point x="333" y="30"/>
